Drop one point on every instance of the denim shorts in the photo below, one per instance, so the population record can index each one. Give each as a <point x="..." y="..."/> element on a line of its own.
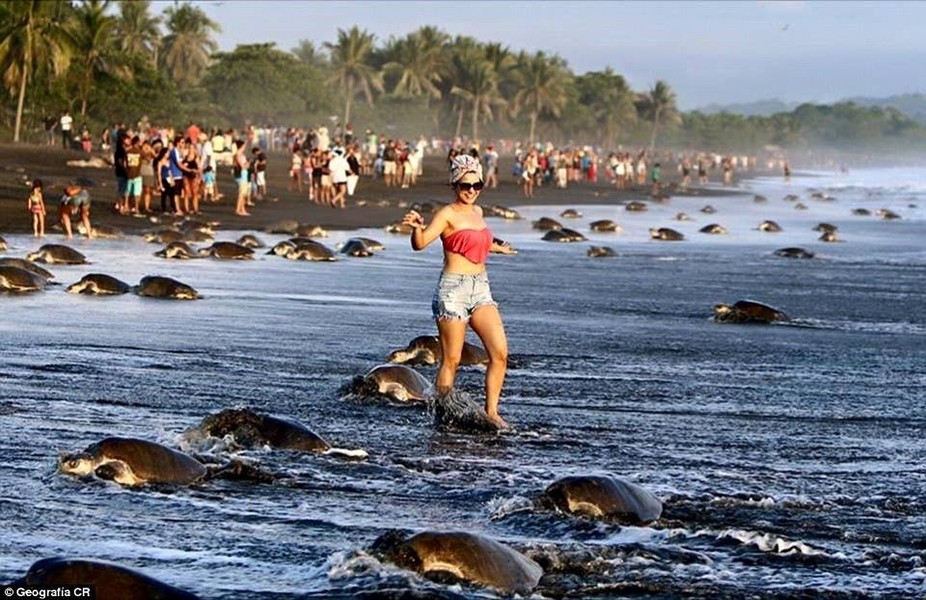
<point x="458" y="295"/>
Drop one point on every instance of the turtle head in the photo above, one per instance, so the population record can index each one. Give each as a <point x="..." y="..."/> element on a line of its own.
<point x="392" y="546"/>
<point x="722" y="310"/>
<point x="79" y="464"/>
<point x="399" y="356"/>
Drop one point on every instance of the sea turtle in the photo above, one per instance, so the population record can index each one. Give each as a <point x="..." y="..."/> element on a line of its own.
<point x="666" y="234"/>
<point x="605" y="497"/>
<point x="99" y="284"/>
<point x="16" y="280"/>
<point x="748" y="311"/>
<point x="454" y="556"/>
<point x="57" y="254"/>
<point x="156" y="286"/>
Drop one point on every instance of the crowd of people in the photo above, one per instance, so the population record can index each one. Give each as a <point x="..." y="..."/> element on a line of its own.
<point x="547" y="165"/>
<point x="180" y="169"/>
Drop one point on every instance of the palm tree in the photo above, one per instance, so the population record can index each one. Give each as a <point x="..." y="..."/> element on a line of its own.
<point x="188" y="44"/>
<point x="541" y="87"/>
<point x="93" y="36"/>
<point x="351" y="69"/>
<point x="32" y="38"/>
<point x="433" y="39"/>
<point x="139" y="33"/>
<point x="309" y="54"/>
<point x="478" y="86"/>
<point x="660" y="104"/>
<point x="610" y="100"/>
<point x="462" y="50"/>
<point x="415" y="63"/>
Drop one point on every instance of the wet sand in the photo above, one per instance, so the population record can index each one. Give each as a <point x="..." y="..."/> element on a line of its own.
<point x="373" y="205"/>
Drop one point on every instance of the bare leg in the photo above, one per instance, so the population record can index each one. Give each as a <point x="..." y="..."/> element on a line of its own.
<point x="85" y="219"/>
<point x="452" y="333"/>
<point x="487" y="323"/>
<point x="66" y="222"/>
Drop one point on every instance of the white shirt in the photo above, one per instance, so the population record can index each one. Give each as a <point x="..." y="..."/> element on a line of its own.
<point x="339" y="167"/>
<point x="66" y="121"/>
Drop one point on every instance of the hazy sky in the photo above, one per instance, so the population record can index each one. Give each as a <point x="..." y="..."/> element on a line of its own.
<point x="709" y="52"/>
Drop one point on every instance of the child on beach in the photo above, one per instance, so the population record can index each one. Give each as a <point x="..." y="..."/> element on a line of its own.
<point x="36" y="206"/>
<point x="209" y="184"/>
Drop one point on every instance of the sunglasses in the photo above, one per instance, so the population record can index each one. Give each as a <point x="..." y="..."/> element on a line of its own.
<point x="470" y="186"/>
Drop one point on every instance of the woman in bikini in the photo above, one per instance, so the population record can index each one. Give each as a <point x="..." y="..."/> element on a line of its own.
<point x="190" y="167"/>
<point x="463" y="295"/>
<point x="36" y="206"/>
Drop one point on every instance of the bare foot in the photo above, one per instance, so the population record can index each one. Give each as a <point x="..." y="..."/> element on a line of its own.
<point x="499" y="422"/>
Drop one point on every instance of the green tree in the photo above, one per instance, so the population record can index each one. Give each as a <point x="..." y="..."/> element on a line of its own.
<point x="610" y="100"/>
<point x="32" y="39"/>
<point x="150" y="93"/>
<point x="188" y="44"/>
<point x="660" y="105"/>
<point x="476" y="83"/>
<point x="351" y="68"/>
<point x="541" y="86"/>
<point x="139" y="32"/>
<point x="415" y="64"/>
<point x="94" y="47"/>
<point x="259" y="83"/>
<point x="309" y="54"/>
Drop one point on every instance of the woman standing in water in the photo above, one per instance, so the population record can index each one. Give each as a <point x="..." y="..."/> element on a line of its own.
<point x="463" y="295"/>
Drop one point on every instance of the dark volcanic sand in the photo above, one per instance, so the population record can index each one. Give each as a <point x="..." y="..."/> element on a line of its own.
<point x="21" y="163"/>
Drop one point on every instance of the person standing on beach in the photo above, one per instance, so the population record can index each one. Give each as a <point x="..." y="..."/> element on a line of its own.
<point x="191" y="167"/>
<point x="134" y="182"/>
<point x="66" y="122"/>
<point x="149" y="180"/>
<point x="463" y="295"/>
<point x="295" y="168"/>
<point x="491" y="158"/>
<point x="36" y="206"/>
<point x="353" y="161"/>
<point x="120" y="166"/>
<point x="49" y="123"/>
<point x="260" y="172"/>
<point x="390" y="155"/>
<point x="165" y="178"/>
<point x="240" y="171"/>
<point x="529" y="173"/>
<point x="174" y="162"/>
<point x="339" y="168"/>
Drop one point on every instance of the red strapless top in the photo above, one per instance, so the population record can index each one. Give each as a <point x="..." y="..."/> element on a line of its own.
<point x="474" y="244"/>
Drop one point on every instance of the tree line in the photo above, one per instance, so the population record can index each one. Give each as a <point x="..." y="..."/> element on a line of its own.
<point x="115" y="61"/>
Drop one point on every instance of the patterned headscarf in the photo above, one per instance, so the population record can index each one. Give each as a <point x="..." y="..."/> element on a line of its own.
<point x="462" y="164"/>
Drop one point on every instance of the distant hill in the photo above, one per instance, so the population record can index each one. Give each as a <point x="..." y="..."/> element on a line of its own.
<point x="912" y="105"/>
<point x="760" y="108"/>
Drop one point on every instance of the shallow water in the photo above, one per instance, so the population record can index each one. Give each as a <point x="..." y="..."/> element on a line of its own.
<point x="790" y="458"/>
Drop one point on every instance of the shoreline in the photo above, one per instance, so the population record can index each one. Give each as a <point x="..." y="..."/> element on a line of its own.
<point x="373" y="206"/>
